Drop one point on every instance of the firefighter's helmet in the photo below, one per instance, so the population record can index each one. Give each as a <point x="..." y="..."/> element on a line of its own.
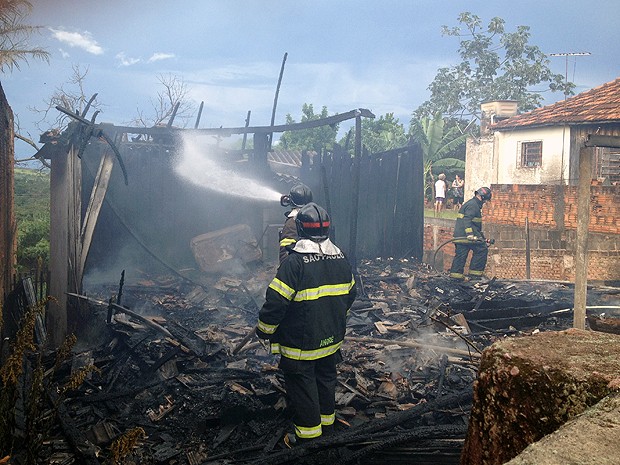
<point x="484" y="193"/>
<point x="300" y="195"/>
<point x="312" y="222"/>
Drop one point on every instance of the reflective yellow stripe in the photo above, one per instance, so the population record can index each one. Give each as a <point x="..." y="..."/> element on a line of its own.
<point x="298" y="354"/>
<point x="282" y="288"/>
<point x="324" y="291"/>
<point x="267" y="328"/>
<point x="306" y="432"/>
<point x="469" y="230"/>
<point x="327" y="420"/>
<point x="476" y="273"/>
<point x="457" y="275"/>
<point x="460" y="215"/>
<point x="287" y="241"/>
<point x="477" y="220"/>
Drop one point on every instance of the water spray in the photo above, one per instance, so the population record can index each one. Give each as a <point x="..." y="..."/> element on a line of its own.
<point x="199" y="167"/>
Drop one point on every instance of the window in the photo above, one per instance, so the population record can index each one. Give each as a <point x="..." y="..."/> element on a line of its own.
<point x="531" y="154"/>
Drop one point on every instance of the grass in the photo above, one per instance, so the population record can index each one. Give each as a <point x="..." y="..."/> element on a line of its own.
<point x="445" y="214"/>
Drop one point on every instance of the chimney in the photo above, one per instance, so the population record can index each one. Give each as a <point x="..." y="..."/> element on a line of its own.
<point x="494" y="111"/>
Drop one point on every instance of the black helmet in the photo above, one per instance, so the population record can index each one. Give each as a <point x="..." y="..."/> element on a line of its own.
<point x="300" y="195"/>
<point x="312" y="223"/>
<point x="484" y="193"/>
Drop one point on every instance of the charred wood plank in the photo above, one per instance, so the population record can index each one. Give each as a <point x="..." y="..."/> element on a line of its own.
<point x="84" y="449"/>
<point x="414" y="345"/>
<point x="422" y="432"/>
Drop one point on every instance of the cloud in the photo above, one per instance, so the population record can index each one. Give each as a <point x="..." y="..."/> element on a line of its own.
<point x="160" y="56"/>
<point x="63" y="53"/>
<point x="124" y="60"/>
<point x="81" y="40"/>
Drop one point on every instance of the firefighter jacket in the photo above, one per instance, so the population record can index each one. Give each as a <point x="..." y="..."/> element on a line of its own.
<point x="306" y="304"/>
<point x="288" y="235"/>
<point x="469" y="220"/>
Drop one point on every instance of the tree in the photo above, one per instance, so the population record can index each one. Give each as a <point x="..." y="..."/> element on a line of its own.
<point x="170" y="102"/>
<point x="14" y="35"/>
<point x="384" y="133"/>
<point x="70" y="95"/>
<point x="497" y="65"/>
<point x="436" y="141"/>
<point x="315" y="139"/>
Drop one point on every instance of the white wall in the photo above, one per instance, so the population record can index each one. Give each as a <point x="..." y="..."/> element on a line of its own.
<point x="555" y="156"/>
<point x="480" y="164"/>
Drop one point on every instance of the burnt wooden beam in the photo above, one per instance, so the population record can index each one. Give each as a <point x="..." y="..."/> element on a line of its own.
<point x="199" y="115"/>
<point x="97" y="196"/>
<point x="595" y="140"/>
<point x="84" y="449"/>
<point x="162" y="131"/>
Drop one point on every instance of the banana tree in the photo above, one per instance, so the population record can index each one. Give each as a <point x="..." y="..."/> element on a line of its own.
<point x="435" y="143"/>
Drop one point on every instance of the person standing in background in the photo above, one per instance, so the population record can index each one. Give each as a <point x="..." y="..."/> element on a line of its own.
<point x="440" y="194"/>
<point x="458" y="192"/>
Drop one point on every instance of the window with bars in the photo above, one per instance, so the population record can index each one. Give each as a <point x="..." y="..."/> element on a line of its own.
<point x="531" y="154"/>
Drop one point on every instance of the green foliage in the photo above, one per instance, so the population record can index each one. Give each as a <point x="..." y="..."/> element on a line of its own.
<point x="434" y="138"/>
<point x="436" y="142"/>
<point x="314" y="139"/>
<point x="32" y="213"/>
<point x="384" y="133"/>
<point x="14" y="35"/>
<point x="496" y="65"/>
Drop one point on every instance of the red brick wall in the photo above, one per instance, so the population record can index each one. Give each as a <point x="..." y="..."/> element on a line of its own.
<point x="552" y="244"/>
<point x="511" y="204"/>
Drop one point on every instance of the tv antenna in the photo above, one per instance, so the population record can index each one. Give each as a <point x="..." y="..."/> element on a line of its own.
<point x="566" y="55"/>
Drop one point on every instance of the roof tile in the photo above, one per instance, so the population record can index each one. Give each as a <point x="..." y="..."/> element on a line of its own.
<point x="597" y="105"/>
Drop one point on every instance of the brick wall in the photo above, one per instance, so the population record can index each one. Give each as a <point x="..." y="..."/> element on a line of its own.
<point x="551" y="213"/>
<point x="553" y="206"/>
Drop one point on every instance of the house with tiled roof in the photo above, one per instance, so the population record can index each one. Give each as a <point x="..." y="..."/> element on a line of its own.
<point x="531" y="161"/>
<point x="542" y="146"/>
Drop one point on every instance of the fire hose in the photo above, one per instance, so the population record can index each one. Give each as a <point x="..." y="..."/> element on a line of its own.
<point x="488" y="242"/>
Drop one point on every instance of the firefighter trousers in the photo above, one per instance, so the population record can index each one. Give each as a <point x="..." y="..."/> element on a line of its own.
<point x="311" y="389"/>
<point x="478" y="262"/>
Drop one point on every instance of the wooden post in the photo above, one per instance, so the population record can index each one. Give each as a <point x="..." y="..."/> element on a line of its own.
<point x="581" y="248"/>
<point x="527" y="248"/>
<point x="275" y="99"/>
<point x="65" y="211"/>
<point x="8" y="228"/>
<point x="355" y="194"/>
<point x="97" y="196"/>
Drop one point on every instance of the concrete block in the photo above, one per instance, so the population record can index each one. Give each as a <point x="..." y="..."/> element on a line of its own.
<point x="528" y="387"/>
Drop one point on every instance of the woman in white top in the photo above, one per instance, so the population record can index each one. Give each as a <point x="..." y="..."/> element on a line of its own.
<point x="440" y="193"/>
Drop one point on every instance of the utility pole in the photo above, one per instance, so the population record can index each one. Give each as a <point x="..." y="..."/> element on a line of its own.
<point x="566" y="55"/>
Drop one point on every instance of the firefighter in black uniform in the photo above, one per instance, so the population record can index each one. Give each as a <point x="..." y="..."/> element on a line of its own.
<point x="304" y="318"/>
<point x="298" y="196"/>
<point x="468" y="236"/>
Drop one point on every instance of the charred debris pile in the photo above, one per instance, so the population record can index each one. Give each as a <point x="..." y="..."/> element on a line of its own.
<point x="171" y="378"/>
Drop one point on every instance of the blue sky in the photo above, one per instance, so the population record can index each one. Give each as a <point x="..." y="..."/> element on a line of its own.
<point x="342" y="54"/>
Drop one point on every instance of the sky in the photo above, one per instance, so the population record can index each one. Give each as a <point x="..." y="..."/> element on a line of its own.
<point x="341" y="54"/>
